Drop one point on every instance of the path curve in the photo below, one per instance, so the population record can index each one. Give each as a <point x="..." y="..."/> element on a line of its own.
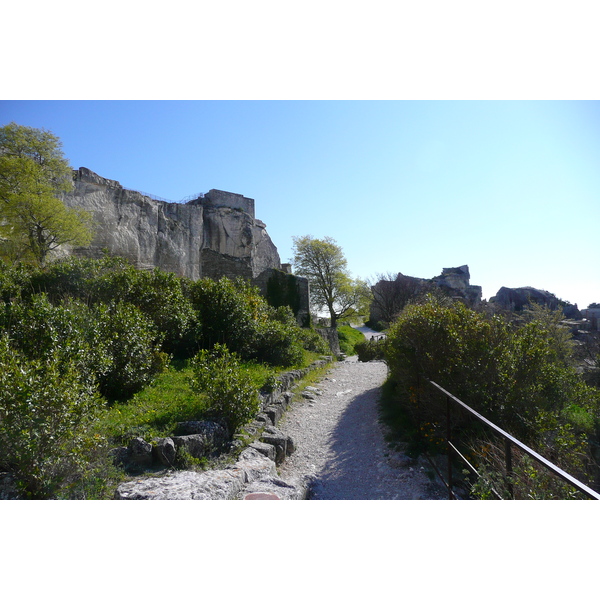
<point x="340" y="446"/>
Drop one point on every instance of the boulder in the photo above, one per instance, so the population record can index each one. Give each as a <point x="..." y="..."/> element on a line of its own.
<point x="165" y="452"/>
<point x="216" y="435"/>
<point x="196" y="445"/>
<point x="267" y="450"/>
<point x="139" y="453"/>
<point x="283" y="443"/>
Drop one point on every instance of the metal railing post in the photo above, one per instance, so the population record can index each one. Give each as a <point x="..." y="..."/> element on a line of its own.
<point x="509" y="469"/>
<point x="449" y="447"/>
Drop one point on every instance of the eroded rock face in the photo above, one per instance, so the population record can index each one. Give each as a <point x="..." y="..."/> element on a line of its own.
<point x="456" y="281"/>
<point x="207" y="237"/>
<point x="519" y="298"/>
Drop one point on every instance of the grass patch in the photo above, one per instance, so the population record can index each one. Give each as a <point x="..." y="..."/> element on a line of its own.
<point x="155" y="411"/>
<point x="349" y="337"/>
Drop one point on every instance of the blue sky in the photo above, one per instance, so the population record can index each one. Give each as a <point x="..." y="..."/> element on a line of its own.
<point x="511" y="188"/>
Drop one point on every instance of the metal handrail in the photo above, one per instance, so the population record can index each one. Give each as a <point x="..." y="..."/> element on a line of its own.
<point x="508" y="440"/>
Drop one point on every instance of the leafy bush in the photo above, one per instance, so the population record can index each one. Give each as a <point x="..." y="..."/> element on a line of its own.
<point x="45" y="412"/>
<point x="131" y="348"/>
<point x="229" y="312"/>
<point x="115" y="346"/>
<point x="278" y="344"/>
<point x="518" y="377"/>
<point x="229" y="389"/>
<point x="159" y="296"/>
<point x="66" y="333"/>
<point x="313" y="342"/>
<point x="370" y="350"/>
<point x="234" y="313"/>
<point x="72" y="277"/>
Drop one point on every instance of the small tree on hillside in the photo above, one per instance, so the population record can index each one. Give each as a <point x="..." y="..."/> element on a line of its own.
<point x="33" y="172"/>
<point x="323" y="263"/>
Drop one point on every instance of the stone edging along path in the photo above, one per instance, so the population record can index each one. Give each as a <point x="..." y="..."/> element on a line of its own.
<point x="255" y="471"/>
<point x="328" y="445"/>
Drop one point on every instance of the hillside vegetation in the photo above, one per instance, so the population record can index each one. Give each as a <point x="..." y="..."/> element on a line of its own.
<point x="93" y="351"/>
<point x="520" y="375"/>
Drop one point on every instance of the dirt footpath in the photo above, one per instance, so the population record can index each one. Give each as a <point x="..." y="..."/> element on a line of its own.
<point x="340" y="445"/>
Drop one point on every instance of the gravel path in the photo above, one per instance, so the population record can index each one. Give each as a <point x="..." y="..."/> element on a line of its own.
<point x="340" y="445"/>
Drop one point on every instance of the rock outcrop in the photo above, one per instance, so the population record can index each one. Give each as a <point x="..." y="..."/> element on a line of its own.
<point x="222" y="484"/>
<point x="516" y="299"/>
<point x="390" y="296"/>
<point x="210" y="236"/>
<point x="455" y="282"/>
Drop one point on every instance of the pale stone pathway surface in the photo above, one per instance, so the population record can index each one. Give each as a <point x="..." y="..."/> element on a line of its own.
<point x="340" y="445"/>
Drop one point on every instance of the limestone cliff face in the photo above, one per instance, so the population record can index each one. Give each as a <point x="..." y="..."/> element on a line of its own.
<point x="208" y="237"/>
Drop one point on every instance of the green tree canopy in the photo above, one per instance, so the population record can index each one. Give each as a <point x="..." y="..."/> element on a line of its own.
<point x="323" y="263"/>
<point x="33" y="172"/>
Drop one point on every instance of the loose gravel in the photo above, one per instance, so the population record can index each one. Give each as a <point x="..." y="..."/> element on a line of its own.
<point x="341" y="452"/>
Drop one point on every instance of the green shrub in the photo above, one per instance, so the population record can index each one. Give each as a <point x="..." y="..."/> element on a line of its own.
<point x="130" y="345"/>
<point x="313" y="342"/>
<point x="72" y="277"/>
<point x="231" y="395"/>
<point x="45" y="413"/>
<point x="278" y="344"/>
<point x="68" y="332"/>
<point x="368" y="350"/>
<point x="518" y="377"/>
<point x="159" y="296"/>
<point x="116" y="346"/>
<point x="234" y="313"/>
<point x="229" y="312"/>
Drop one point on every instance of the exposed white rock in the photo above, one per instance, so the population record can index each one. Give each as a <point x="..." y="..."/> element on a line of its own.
<point x="211" y="236"/>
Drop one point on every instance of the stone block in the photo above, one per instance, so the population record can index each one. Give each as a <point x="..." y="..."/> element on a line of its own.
<point x="139" y="452"/>
<point x="267" y="450"/>
<point x="165" y="452"/>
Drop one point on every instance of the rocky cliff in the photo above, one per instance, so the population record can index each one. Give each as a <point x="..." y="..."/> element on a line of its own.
<point x="210" y="236"/>
<point x="516" y="299"/>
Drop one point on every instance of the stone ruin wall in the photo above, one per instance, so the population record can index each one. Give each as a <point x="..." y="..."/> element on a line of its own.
<point x="212" y="236"/>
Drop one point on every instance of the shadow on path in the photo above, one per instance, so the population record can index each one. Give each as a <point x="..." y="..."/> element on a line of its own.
<point x="357" y="468"/>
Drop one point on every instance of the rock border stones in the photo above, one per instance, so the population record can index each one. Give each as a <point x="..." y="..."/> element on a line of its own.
<point x="254" y="473"/>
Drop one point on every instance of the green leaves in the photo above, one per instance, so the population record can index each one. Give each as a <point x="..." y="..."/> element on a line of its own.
<point x="323" y="263"/>
<point x="33" y="220"/>
<point x="229" y="389"/>
<point x="45" y="410"/>
<point x="509" y="374"/>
